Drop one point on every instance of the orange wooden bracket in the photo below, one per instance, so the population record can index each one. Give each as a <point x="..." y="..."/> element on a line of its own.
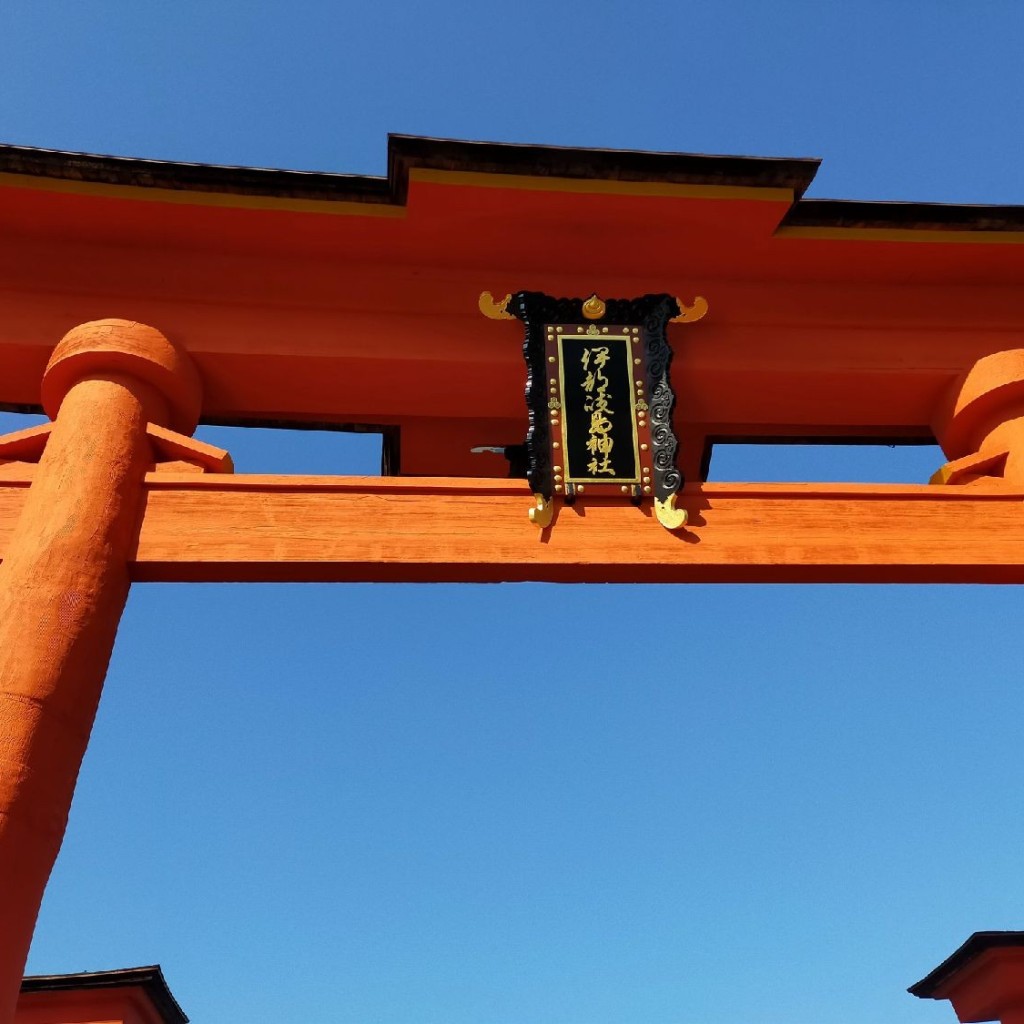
<point x="25" y="445"/>
<point x="977" y="466"/>
<point x="174" y="452"/>
<point x="174" y="448"/>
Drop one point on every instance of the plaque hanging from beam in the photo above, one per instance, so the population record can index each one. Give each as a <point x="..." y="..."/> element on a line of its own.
<point x="599" y="398"/>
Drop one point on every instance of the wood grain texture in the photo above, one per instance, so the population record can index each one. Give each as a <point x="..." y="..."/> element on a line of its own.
<point x="288" y="529"/>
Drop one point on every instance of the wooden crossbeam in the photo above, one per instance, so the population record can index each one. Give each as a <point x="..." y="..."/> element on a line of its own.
<point x="200" y="527"/>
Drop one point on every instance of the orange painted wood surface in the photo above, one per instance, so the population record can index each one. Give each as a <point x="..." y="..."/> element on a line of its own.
<point x="280" y="529"/>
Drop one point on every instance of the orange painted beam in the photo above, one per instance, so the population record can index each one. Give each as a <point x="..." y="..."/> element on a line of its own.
<point x="293" y="529"/>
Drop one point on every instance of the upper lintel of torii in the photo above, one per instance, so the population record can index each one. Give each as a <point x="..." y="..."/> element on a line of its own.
<point x="345" y="300"/>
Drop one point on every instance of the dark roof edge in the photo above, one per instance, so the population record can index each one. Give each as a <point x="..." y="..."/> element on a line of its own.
<point x="189" y="177"/>
<point x="852" y="213"/>
<point x="408" y="152"/>
<point x="151" y="979"/>
<point x="978" y="943"/>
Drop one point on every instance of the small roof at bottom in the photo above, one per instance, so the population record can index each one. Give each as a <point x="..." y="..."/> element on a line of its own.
<point x="980" y="942"/>
<point x="150" y="979"/>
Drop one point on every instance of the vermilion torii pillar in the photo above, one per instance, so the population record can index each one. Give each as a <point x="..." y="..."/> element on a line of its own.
<point x="63" y="586"/>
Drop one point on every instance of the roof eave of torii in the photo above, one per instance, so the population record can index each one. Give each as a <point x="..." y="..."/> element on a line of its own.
<point x="333" y="299"/>
<point x="412" y="156"/>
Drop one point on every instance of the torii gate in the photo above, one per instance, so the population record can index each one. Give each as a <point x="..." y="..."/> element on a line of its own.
<point x="274" y="297"/>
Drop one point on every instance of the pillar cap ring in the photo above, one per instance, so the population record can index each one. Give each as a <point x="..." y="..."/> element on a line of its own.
<point x="126" y="348"/>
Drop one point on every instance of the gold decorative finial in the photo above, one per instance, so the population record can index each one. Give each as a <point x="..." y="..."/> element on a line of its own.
<point x="669" y="516"/>
<point x="594" y="307"/>
<point x="542" y="512"/>
<point x="690" y="314"/>
<point x="495" y="310"/>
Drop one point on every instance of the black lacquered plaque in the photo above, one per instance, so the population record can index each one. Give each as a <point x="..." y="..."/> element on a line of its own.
<point x="599" y="396"/>
<point x="596" y="388"/>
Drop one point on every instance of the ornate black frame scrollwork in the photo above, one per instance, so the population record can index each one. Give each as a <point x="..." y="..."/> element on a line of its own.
<point x="667" y="477"/>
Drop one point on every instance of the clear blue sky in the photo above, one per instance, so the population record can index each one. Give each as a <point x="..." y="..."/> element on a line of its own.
<point x="341" y="804"/>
